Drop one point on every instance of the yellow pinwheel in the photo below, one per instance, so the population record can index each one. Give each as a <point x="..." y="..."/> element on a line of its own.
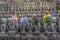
<point x="45" y="17"/>
<point x="48" y="14"/>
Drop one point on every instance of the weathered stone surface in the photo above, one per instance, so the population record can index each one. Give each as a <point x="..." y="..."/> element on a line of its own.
<point x="42" y="36"/>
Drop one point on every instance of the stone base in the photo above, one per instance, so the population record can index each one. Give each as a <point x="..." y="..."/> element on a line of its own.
<point x="22" y="33"/>
<point x="11" y="33"/>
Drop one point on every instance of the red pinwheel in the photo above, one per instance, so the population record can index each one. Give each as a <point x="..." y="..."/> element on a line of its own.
<point x="14" y="19"/>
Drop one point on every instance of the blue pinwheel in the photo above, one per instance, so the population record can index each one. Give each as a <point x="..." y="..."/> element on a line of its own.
<point x="24" y="19"/>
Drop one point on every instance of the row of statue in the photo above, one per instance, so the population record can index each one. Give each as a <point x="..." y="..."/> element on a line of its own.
<point x="45" y="23"/>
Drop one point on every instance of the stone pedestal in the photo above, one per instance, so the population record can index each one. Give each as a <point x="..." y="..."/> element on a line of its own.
<point x="11" y="33"/>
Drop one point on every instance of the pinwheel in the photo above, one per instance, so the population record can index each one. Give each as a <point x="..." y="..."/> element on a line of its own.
<point x="24" y="19"/>
<point x="14" y="19"/>
<point x="35" y="16"/>
<point x="35" y="19"/>
<point x="53" y="17"/>
<point x="47" y="18"/>
<point x="53" y="13"/>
